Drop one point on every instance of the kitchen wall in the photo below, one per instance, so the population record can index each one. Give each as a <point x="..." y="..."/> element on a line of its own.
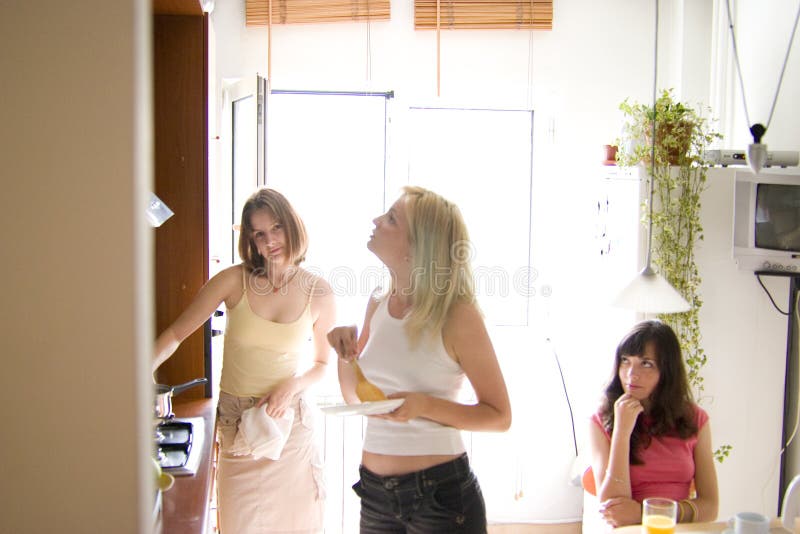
<point x="75" y="162"/>
<point x="76" y="321"/>
<point x="574" y="77"/>
<point x="745" y="339"/>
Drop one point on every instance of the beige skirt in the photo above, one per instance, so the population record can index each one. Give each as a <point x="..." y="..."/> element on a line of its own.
<point x="265" y="496"/>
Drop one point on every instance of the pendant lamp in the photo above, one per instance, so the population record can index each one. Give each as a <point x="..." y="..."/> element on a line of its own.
<point x="649" y="292"/>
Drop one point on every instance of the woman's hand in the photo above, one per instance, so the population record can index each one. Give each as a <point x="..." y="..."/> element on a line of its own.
<point x="280" y="398"/>
<point x="626" y="410"/>
<point x="621" y="511"/>
<point x="414" y="406"/>
<point x="344" y="340"/>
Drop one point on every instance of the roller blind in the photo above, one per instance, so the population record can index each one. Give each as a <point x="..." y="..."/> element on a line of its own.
<point x="312" y="11"/>
<point x="484" y="14"/>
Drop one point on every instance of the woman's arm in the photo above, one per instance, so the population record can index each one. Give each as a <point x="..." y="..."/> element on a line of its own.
<point x="609" y="464"/>
<point x="323" y="312"/>
<point x="348" y="345"/>
<point x="614" y="480"/>
<point x="617" y="507"/>
<point x="222" y="287"/>
<point x="705" y="479"/>
<point x="467" y="341"/>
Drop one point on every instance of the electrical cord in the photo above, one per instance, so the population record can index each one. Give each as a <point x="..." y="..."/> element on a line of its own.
<point x="758" y="277"/>
<point x="566" y="396"/>
<point x="739" y="69"/>
<point x="793" y="433"/>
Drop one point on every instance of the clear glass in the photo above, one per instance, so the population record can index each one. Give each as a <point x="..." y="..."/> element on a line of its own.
<point x="659" y="516"/>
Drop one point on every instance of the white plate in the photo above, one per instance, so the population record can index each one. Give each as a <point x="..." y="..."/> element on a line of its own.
<point x="364" y="408"/>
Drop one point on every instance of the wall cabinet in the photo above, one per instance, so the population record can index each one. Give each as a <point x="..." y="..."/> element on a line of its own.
<point x="180" y="75"/>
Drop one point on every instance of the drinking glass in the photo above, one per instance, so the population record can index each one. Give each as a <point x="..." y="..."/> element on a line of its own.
<point x="659" y="516"/>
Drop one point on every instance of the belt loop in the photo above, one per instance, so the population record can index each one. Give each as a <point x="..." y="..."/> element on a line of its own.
<point x="420" y="479"/>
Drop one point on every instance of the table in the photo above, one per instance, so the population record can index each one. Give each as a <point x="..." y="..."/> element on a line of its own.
<point x="776" y="527"/>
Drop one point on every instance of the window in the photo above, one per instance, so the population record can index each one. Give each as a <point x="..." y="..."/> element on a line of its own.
<point x="341" y="158"/>
<point x="481" y="160"/>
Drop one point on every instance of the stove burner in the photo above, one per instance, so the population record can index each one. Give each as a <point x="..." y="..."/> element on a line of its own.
<point x="179" y="443"/>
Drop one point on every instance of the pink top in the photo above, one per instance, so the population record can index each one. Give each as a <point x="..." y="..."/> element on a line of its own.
<point x="668" y="464"/>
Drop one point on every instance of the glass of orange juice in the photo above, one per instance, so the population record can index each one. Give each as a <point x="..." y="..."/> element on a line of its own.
<point x="659" y="516"/>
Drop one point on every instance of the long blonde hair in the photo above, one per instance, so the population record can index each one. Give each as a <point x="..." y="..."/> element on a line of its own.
<point x="441" y="272"/>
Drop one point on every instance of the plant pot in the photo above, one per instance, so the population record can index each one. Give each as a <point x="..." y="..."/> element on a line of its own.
<point x="673" y="140"/>
<point x="609" y="154"/>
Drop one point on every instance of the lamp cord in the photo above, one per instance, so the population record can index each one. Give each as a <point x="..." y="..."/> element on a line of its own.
<point x="653" y="147"/>
<point x="566" y="396"/>
<point x="739" y="68"/>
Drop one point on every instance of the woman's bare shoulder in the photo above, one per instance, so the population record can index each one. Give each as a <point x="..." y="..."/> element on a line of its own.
<point x="230" y="275"/>
<point x="228" y="284"/>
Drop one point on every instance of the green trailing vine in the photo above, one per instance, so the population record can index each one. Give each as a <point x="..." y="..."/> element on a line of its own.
<point x="679" y="178"/>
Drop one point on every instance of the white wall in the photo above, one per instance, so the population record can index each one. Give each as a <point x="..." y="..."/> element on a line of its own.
<point x="574" y="77"/>
<point x="745" y="340"/>
<point x="74" y="157"/>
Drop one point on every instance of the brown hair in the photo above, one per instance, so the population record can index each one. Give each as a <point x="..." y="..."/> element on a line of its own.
<point x="672" y="409"/>
<point x="277" y="205"/>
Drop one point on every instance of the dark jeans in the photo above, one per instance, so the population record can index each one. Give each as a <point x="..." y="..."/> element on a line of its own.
<point x="442" y="498"/>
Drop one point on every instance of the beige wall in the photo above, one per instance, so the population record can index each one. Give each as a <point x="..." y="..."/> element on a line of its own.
<point x="74" y="128"/>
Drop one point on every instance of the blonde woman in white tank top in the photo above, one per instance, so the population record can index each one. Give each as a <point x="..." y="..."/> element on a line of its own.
<point x="273" y="307"/>
<point x="419" y="340"/>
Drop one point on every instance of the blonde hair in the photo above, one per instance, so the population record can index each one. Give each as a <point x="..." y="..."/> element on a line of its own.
<point x="280" y="209"/>
<point x="441" y="272"/>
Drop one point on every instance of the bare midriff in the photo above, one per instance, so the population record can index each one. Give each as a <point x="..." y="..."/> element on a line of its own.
<point x="391" y="465"/>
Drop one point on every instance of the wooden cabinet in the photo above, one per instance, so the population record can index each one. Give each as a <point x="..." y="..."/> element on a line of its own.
<point x="180" y="75"/>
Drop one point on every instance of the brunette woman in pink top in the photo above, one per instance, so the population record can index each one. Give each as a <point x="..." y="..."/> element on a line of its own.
<point x="649" y="438"/>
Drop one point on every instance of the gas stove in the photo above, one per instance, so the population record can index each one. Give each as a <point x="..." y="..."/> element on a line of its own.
<point x="179" y="444"/>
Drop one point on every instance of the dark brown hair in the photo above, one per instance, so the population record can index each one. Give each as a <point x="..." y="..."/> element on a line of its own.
<point x="671" y="410"/>
<point x="280" y="209"/>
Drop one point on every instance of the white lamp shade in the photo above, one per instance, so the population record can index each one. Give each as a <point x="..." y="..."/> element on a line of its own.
<point x="649" y="292"/>
<point x="756" y="157"/>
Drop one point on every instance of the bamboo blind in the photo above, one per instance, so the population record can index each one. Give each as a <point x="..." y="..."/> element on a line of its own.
<point x="484" y="14"/>
<point x="311" y="11"/>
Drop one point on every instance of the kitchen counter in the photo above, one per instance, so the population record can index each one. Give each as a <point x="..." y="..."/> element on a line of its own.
<point x="185" y="506"/>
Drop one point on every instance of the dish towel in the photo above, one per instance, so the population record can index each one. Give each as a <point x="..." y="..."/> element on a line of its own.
<point x="260" y="435"/>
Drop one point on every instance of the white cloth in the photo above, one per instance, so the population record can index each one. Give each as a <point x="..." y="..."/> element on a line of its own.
<point x="260" y="435"/>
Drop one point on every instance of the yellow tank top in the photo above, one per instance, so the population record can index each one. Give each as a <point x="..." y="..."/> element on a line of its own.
<point x="258" y="353"/>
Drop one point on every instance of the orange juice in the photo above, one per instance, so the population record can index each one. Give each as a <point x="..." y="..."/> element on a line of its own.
<point x="659" y="524"/>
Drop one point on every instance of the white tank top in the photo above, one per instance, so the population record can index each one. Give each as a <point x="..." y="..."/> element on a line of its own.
<point x="390" y="363"/>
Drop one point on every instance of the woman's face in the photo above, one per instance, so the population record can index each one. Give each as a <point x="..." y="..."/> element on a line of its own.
<point x="269" y="236"/>
<point x="639" y="373"/>
<point x="389" y="239"/>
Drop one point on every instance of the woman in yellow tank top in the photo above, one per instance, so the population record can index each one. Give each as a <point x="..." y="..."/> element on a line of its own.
<point x="273" y="307"/>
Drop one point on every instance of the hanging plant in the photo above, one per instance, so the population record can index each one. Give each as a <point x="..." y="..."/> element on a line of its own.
<point x="679" y="176"/>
